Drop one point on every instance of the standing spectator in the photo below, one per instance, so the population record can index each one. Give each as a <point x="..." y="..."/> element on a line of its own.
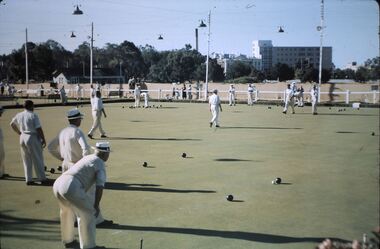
<point x="250" y="91"/>
<point x="146" y="98"/>
<point x="2" y="152"/>
<point x="189" y="93"/>
<point x="78" y="90"/>
<point x="314" y="99"/>
<point x="184" y="91"/>
<point x="70" y="190"/>
<point x="137" y="94"/>
<point x="231" y="95"/>
<point x="289" y="99"/>
<point x="41" y="90"/>
<point x="92" y="91"/>
<point x="97" y="110"/>
<point x="215" y="105"/>
<point x="62" y="94"/>
<point x="300" y="99"/>
<point x="2" y="88"/>
<point x="32" y="140"/>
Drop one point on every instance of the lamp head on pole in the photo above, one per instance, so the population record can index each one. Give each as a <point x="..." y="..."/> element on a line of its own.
<point x="281" y="30"/>
<point x="72" y="34"/>
<point x="160" y="37"/>
<point x="202" y="24"/>
<point x="77" y="11"/>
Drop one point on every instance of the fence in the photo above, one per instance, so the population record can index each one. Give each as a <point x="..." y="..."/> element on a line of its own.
<point x="370" y="97"/>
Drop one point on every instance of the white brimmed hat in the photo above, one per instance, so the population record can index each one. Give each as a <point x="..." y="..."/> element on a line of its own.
<point x="103" y="146"/>
<point x="74" y="114"/>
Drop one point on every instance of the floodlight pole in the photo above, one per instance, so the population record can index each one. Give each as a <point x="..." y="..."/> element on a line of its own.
<point x="208" y="54"/>
<point x="26" y="60"/>
<point x="320" y="51"/>
<point x="91" y="48"/>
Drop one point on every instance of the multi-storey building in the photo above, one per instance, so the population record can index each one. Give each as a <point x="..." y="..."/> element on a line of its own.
<point x="292" y="56"/>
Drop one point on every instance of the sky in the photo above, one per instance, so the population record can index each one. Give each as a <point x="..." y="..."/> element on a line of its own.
<point x="350" y="26"/>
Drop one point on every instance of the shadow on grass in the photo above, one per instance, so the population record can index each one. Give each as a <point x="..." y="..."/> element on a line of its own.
<point x="249" y="236"/>
<point x="26" y="228"/>
<point x="151" y="188"/>
<point x="154" y="139"/>
<point x="341" y="114"/>
<point x="259" y="128"/>
<point x="233" y="160"/>
<point x="13" y="178"/>
<point x="348" y="132"/>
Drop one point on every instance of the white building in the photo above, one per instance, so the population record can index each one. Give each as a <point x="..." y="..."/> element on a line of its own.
<point x="292" y="56"/>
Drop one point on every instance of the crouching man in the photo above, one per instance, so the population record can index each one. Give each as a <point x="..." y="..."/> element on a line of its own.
<point x="70" y="190"/>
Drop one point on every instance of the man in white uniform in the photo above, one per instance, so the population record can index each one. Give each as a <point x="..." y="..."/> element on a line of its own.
<point x="314" y="99"/>
<point x="70" y="190"/>
<point x="137" y="94"/>
<point x="97" y="110"/>
<point x="32" y="140"/>
<point x="146" y="98"/>
<point x="70" y="145"/>
<point x="78" y="90"/>
<point x="214" y="103"/>
<point x="289" y="99"/>
<point x="2" y="152"/>
<point x="250" y="91"/>
<point x="231" y="95"/>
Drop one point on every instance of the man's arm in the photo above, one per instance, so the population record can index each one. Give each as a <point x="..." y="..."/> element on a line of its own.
<point x="104" y="112"/>
<point x="53" y="148"/>
<point x="15" y="128"/>
<point x="98" y="197"/>
<point x="41" y="135"/>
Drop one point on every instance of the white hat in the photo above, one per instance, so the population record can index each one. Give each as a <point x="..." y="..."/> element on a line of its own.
<point x="74" y="114"/>
<point x="103" y="146"/>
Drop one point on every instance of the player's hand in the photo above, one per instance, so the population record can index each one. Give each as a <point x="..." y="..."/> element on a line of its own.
<point x="97" y="211"/>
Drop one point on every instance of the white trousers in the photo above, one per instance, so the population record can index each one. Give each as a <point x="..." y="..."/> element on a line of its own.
<point x="91" y="192"/>
<point x="97" y="115"/>
<point x="2" y="154"/>
<point x="73" y="200"/>
<point x="137" y="101"/>
<point x="31" y="154"/>
<point x="231" y="99"/>
<point x="287" y="102"/>
<point x="313" y="105"/>
<point x="215" y="114"/>
<point x="146" y="100"/>
<point x="250" y="98"/>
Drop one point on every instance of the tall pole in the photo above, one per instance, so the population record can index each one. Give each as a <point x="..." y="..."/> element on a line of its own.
<point x="320" y="50"/>
<point x="91" y="47"/>
<point x="196" y="39"/>
<point x="208" y="54"/>
<point x="378" y="3"/>
<point x="26" y="60"/>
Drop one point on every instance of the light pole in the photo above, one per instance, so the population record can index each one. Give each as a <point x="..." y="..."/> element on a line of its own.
<point x="320" y="29"/>
<point x="26" y="60"/>
<point x="208" y="53"/>
<point x="91" y="47"/>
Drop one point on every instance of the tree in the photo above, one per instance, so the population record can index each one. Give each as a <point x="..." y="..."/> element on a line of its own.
<point x="282" y="72"/>
<point x="238" y="69"/>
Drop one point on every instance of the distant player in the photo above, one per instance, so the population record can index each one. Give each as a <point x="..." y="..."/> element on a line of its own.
<point x="289" y="99"/>
<point x="215" y="105"/>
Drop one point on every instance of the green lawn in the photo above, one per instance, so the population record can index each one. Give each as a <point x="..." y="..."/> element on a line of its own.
<point x="329" y="164"/>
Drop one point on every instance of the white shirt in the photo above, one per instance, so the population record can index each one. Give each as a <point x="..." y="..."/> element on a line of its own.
<point x="289" y="93"/>
<point x="314" y="93"/>
<point x="232" y="90"/>
<point x="89" y="170"/>
<point x="27" y="121"/>
<point x="70" y="144"/>
<point x="214" y="99"/>
<point x="96" y="104"/>
<point x="250" y="89"/>
<point x="137" y="91"/>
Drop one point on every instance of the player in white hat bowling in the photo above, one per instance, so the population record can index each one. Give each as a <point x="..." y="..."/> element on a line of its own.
<point x="70" y="190"/>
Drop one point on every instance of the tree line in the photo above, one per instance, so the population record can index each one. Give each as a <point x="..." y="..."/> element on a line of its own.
<point x="146" y="62"/>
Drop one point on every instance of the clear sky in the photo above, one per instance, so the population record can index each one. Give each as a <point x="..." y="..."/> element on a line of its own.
<point x="351" y="26"/>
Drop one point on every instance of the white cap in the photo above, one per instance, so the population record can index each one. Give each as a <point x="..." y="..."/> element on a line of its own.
<point x="74" y="114"/>
<point x="103" y="146"/>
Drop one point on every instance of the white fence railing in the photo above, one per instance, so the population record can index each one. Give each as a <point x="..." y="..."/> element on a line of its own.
<point x="164" y="94"/>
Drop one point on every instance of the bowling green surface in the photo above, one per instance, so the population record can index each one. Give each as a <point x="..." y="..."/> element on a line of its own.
<point x="328" y="163"/>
